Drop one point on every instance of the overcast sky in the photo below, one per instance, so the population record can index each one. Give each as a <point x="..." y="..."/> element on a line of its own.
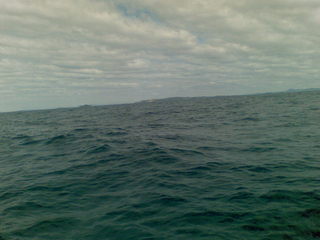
<point x="72" y="52"/>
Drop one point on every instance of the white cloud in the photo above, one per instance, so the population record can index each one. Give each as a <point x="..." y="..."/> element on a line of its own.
<point x="153" y="46"/>
<point x="138" y="63"/>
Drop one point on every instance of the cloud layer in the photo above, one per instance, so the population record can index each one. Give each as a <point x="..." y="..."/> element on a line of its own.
<point x="72" y="52"/>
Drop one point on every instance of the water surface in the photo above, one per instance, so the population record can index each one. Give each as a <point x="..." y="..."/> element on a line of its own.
<point x="242" y="167"/>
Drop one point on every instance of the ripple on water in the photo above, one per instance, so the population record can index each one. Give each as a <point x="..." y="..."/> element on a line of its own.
<point x="242" y="167"/>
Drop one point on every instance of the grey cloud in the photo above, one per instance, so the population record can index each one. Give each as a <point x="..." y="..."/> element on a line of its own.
<point x="76" y="52"/>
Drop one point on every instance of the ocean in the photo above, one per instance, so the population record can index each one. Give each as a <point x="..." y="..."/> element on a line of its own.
<point x="234" y="167"/>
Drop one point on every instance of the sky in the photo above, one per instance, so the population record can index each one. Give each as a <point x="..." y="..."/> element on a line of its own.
<point x="71" y="52"/>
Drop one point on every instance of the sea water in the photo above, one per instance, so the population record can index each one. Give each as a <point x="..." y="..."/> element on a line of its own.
<point x="237" y="167"/>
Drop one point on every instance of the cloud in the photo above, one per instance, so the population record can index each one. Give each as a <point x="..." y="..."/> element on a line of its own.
<point x="138" y="63"/>
<point x="118" y="51"/>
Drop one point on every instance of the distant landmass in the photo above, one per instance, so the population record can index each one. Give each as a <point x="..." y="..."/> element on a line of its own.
<point x="303" y="90"/>
<point x="85" y="106"/>
<point x="291" y="90"/>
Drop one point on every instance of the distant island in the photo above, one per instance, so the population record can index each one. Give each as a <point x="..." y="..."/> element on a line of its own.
<point x="303" y="90"/>
<point x="291" y="90"/>
<point x="85" y="106"/>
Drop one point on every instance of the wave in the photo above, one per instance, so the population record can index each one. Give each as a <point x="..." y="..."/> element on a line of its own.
<point x="196" y="168"/>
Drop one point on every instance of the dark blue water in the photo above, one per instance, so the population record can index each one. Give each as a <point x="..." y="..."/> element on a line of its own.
<point x="243" y="167"/>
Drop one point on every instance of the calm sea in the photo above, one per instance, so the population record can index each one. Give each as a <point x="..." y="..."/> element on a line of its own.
<point x="240" y="167"/>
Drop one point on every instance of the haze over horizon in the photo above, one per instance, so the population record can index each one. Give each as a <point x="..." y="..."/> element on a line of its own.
<point x="69" y="53"/>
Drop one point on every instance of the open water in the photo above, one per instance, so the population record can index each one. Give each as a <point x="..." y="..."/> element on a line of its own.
<point x="240" y="167"/>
